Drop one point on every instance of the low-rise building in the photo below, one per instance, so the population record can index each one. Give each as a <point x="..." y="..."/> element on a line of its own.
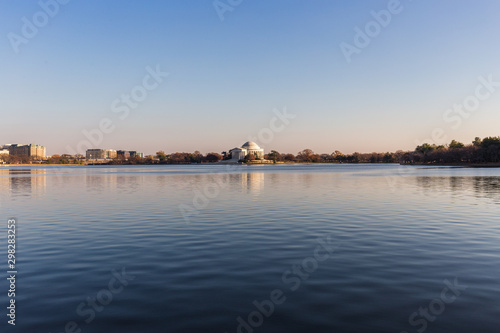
<point x="123" y="154"/>
<point x="36" y="152"/>
<point x="95" y="154"/>
<point x="135" y="154"/>
<point x="110" y="154"/>
<point x="100" y="154"/>
<point x="128" y="154"/>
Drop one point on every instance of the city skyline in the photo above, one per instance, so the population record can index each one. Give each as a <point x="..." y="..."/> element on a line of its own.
<point x="365" y="76"/>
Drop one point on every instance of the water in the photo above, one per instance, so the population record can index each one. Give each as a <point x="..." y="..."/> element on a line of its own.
<point x="203" y="243"/>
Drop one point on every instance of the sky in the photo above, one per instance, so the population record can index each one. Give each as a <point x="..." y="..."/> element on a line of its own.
<point x="185" y="75"/>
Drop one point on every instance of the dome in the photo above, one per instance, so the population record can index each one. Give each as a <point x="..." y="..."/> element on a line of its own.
<point x="250" y="145"/>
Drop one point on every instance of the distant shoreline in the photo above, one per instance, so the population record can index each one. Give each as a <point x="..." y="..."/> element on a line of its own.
<point x="462" y="165"/>
<point x="458" y="165"/>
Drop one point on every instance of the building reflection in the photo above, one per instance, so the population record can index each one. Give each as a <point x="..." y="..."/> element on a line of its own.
<point x="478" y="186"/>
<point x="248" y="181"/>
<point x="128" y="183"/>
<point x="23" y="181"/>
<point x="4" y="181"/>
<point x="101" y="182"/>
<point x="252" y="183"/>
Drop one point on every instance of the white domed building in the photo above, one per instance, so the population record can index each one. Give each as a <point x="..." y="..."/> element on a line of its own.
<point x="248" y="148"/>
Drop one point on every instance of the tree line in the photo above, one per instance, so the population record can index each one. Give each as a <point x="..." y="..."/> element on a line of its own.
<point x="15" y="159"/>
<point x="479" y="151"/>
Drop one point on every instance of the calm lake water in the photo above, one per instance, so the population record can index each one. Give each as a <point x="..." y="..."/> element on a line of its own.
<point x="291" y="248"/>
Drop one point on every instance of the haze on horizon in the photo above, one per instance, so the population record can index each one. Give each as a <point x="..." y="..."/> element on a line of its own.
<point x="227" y="76"/>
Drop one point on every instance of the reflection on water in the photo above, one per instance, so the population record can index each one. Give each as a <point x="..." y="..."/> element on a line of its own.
<point x="99" y="183"/>
<point x="23" y="181"/>
<point x="116" y="181"/>
<point x="400" y="241"/>
<point x="252" y="182"/>
<point x="486" y="187"/>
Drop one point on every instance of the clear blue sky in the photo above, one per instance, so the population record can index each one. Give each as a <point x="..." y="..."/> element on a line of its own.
<point x="226" y="77"/>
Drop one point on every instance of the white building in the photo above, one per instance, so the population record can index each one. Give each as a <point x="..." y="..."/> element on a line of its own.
<point x="3" y="152"/>
<point x="247" y="149"/>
